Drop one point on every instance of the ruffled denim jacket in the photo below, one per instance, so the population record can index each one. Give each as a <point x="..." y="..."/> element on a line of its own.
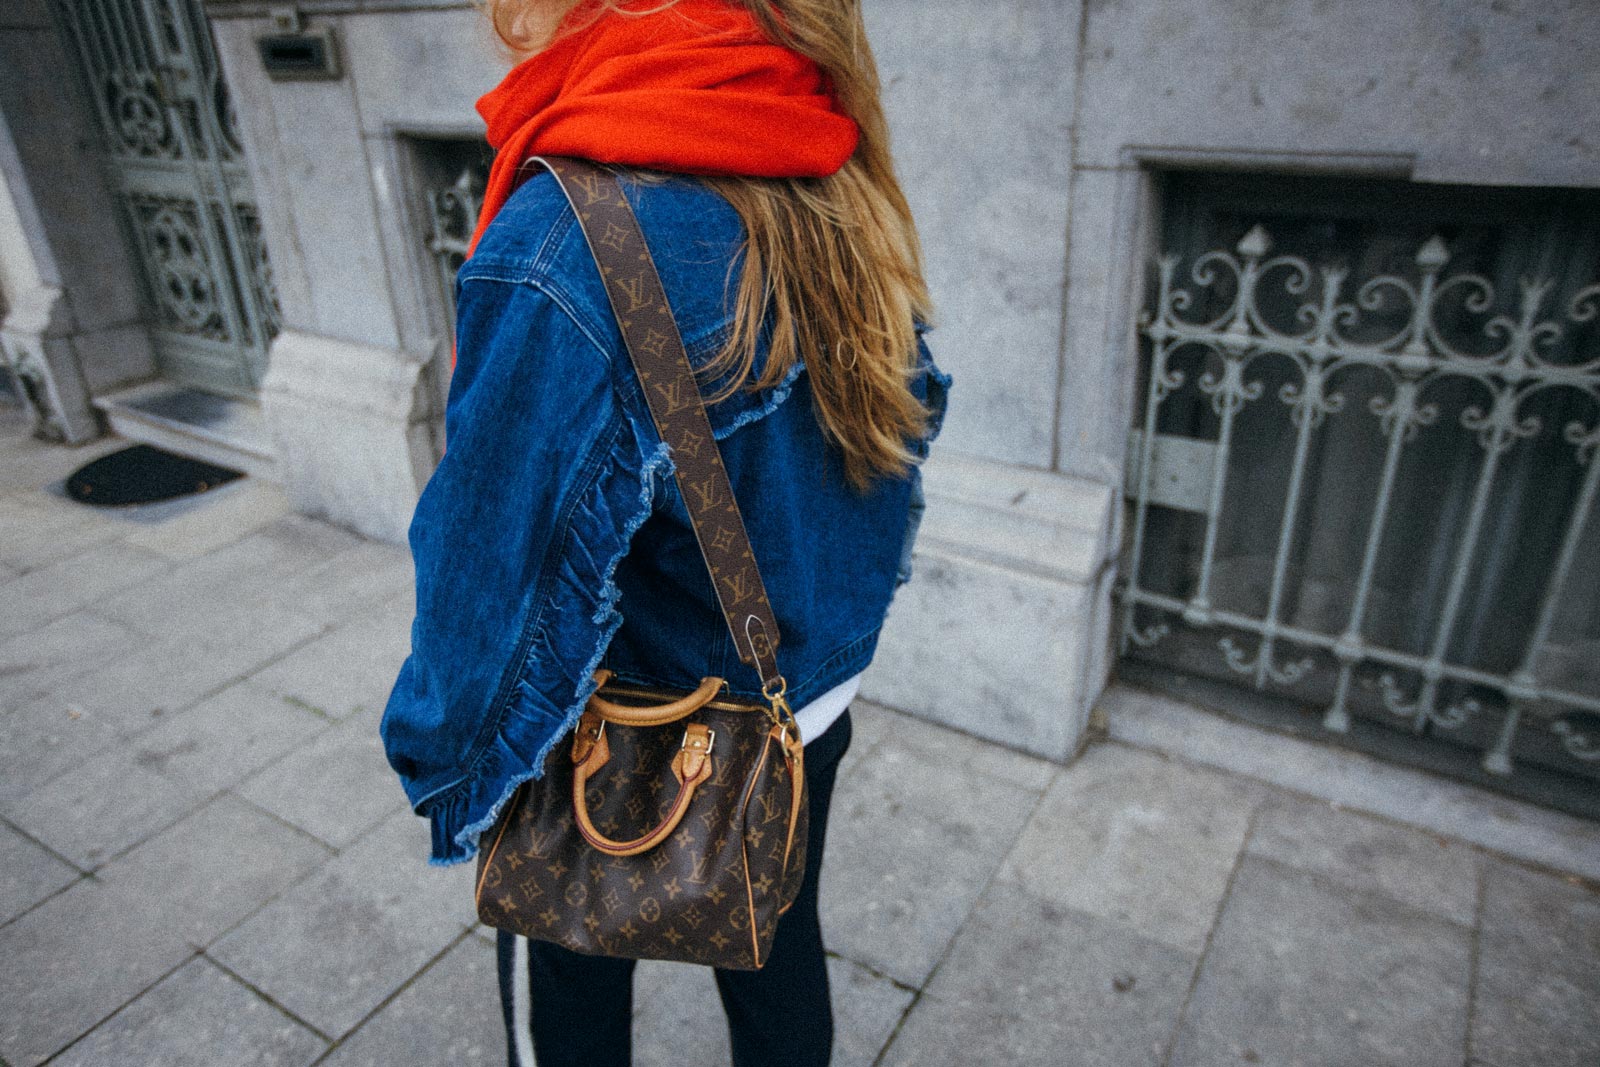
<point x="552" y="539"/>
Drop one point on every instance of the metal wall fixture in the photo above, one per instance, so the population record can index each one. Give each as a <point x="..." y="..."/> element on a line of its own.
<point x="295" y="53"/>
<point x="179" y="173"/>
<point x="1256" y="334"/>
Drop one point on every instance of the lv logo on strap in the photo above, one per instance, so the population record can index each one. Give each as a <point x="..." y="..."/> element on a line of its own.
<point x="674" y="826"/>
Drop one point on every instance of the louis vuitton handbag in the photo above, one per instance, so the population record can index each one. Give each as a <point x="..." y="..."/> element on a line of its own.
<point x="673" y="826"/>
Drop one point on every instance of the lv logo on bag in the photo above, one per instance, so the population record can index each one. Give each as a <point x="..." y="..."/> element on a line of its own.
<point x="690" y="893"/>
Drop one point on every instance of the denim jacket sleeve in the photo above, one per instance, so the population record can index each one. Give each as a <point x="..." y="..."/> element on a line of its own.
<point x="515" y="540"/>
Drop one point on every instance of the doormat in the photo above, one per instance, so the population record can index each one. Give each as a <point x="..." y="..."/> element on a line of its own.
<point x="143" y="475"/>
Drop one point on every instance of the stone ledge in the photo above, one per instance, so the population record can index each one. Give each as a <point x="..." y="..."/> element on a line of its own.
<point x="1355" y="781"/>
<point x="223" y="430"/>
<point x="1017" y="563"/>
<point x="1040" y="522"/>
<point x="365" y="378"/>
<point x="350" y="431"/>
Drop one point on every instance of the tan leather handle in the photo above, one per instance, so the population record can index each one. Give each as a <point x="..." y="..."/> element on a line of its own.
<point x="657" y="714"/>
<point x="691" y="766"/>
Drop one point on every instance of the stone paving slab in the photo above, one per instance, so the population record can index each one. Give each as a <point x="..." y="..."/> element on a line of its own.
<point x="678" y="1017"/>
<point x="31" y="663"/>
<point x="128" y="791"/>
<point x="71" y="962"/>
<point x="1043" y="984"/>
<point x="1538" y="971"/>
<point x="136" y="691"/>
<point x="42" y="596"/>
<point x="31" y="873"/>
<point x="227" y="629"/>
<point x="38" y="529"/>
<point x="223" y="740"/>
<point x="360" y="582"/>
<point x="26" y="463"/>
<point x="102" y="807"/>
<point x="206" y="594"/>
<point x="203" y="875"/>
<point x="338" y="944"/>
<point x="867" y="1008"/>
<point x="350" y="668"/>
<point x="201" y="524"/>
<point x="336" y="786"/>
<point x="1423" y="870"/>
<point x="198" y="1016"/>
<point x="867" y="723"/>
<point x="450" y="1015"/>
<point x="1119" y="818"/>
<point x="1355" y="781"/>
<point x="909" y="850"/>
<point x="1303" y="972"/>
<point x="43" y="739"/>
<point x="960" y="755"/>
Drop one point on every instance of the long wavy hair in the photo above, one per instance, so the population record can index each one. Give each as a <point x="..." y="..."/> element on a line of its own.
<point x="833" y="264"/>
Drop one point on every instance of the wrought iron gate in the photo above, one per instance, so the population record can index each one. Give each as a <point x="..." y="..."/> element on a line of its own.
<point x="180" y="181"/>
<point x="1376" y="493"/>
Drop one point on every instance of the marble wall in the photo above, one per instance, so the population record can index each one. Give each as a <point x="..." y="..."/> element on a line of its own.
<point x="981" y="98"/>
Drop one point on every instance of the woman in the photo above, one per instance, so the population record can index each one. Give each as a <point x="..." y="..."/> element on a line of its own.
<point x="552" y="539"/>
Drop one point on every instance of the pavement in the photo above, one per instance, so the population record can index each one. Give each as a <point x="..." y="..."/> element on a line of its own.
<point x="205" y="860"/>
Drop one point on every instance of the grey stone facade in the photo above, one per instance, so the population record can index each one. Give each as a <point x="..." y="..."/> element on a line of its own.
<point x="1031" y="136"/>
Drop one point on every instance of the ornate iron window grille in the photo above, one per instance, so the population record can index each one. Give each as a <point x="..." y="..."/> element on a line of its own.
<point x="452" y="215"/>
<point x="1331" y="334"/>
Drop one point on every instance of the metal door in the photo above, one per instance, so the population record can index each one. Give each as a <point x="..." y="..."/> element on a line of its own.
<point x="1364" y="477"/>
<point x="179" y="177"/>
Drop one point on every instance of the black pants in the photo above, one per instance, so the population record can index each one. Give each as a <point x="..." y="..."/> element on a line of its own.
<point x="581" y="1007"/>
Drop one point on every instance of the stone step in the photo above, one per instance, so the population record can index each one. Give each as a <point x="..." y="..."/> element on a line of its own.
<point x="206" y="426"/>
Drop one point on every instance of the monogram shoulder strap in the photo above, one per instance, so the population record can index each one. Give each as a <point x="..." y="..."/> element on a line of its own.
<point x="650" y="333"/>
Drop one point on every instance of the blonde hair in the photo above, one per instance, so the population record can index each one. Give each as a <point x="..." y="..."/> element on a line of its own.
<point x="834" y="261"/>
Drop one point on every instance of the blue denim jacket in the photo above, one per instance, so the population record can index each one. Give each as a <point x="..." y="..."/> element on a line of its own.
<point x="552" y="538"/>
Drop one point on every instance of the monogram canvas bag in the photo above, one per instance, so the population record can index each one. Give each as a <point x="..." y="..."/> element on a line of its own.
<point x="673" y="825"/>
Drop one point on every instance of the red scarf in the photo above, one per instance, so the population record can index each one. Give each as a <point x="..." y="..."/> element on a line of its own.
<point x="695" y="88"/>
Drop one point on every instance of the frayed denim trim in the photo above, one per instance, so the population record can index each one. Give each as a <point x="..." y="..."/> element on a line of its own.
<point x="938" y="393"/>
<point x="936" y="423"/>
<point x="607" y="615"/>
<point x="936" y="405"/>
<point x="779" y="394"/>
<point x="452" y="846"/>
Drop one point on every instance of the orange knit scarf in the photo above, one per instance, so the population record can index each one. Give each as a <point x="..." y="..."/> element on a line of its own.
<point x="695" y="88"/>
